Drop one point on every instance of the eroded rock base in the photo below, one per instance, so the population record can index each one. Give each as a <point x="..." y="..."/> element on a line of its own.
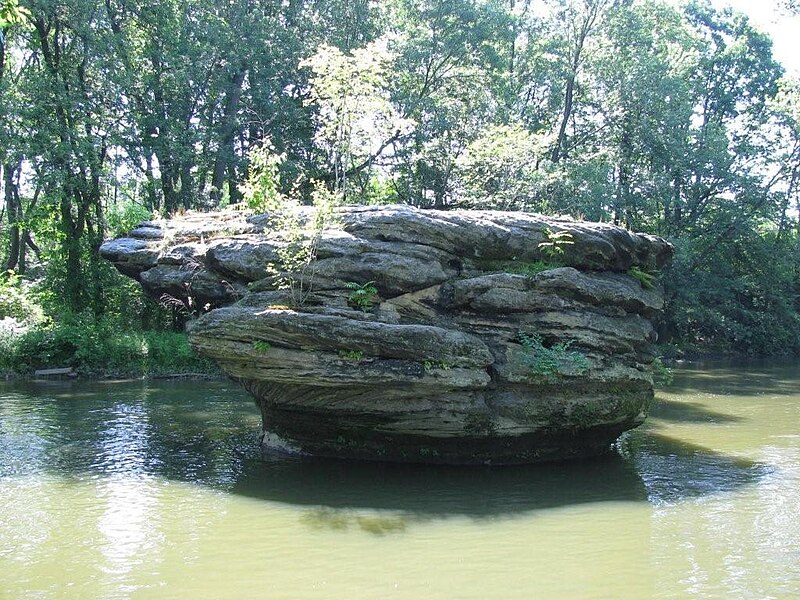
<point x="481" y="427"/>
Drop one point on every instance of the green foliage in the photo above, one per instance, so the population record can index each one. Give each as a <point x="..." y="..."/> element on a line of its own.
<point x="662" y="119"/>
<point x="354" y="355"/>
<point x="261" y="191"/>
<point x="498" y="170"/>
<point x="662" y="374"/>
<point x="377" y="191"/>
<point x="261" y="346"/>
<point x="733" y="296"/>
<point x="299" y="230"/>
<point x="430" y="365"/>
<point x="529" y="269"/>
<point x="647" y="280"/>
<point x="517" y="267"/>
<point x="555" y="245"/>
<point x="363" y="296"/>
<point x="551" y="362"/>
<point x="93" y="346"/>
<point x="354" y="113"/>
<point x="17" y="301"/>
<point x="124" y="216"/>
<point x="12" y="13"/>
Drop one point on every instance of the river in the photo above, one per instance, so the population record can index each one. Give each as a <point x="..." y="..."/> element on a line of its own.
<point x="157" y="490"/>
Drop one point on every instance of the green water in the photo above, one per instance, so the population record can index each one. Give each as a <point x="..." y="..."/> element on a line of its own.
<point x="133" y="490"/>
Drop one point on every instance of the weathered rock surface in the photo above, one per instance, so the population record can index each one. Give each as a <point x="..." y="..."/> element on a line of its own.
<point x="438" y="369"/>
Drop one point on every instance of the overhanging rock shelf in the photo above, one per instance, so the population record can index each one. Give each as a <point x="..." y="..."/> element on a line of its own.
<point x="461" y="357"/>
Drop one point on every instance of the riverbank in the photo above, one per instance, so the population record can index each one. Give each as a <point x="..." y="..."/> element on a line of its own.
<point x="99" y="349"/>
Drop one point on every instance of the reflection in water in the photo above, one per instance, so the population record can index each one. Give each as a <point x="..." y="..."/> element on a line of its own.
<point x="727" y="547"/>
<point x="122" y="441"/>
<point x="674" y="470"/>
<point x="342" y="519"/>
<point x="127" y="524"/>
<point x="690" y="412"/>
<point x="175" y="435"/>
<point x="124" y="490"/>
<point x="428" y="491"/>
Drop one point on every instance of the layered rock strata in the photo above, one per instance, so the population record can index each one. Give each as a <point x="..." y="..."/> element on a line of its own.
<point x="489" y="337"/>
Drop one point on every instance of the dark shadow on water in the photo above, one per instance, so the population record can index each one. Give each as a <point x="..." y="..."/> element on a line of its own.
<point x="137" y="431"/>
<point x="645" y="467"/>
<point x="689" y="412"/>
<point x="672" y="470"/>
<point x="436" y="489"/>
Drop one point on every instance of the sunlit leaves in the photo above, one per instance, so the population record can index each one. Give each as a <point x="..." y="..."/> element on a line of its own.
<point x="356" y="119"/>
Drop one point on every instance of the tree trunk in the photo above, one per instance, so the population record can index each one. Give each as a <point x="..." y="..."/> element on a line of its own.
<point x="227" y="131"/>
<point x="73" y="280"/>
<point x="185" y="195"/>
<point x="562" y="129"/>
<point x="150" y="184"/>
<point x="586" y="25"/>
<point x="14" y="212"/>
<point x="169" y="180"/>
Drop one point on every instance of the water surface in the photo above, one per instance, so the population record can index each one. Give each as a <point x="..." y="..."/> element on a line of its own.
<point x="157" y="490"/>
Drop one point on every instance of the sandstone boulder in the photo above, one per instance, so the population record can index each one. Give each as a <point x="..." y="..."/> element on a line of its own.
<point x="477" y="345"/>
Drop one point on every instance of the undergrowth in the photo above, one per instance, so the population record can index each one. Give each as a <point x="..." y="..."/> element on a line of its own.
<point x="99" y="347"/>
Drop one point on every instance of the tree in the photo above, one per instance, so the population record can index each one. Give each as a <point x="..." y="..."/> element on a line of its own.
<point x="355" y="119"/>
<point x="498" y="170"/>
<point x="582" y="18"/>
<point x="71" y="102"/>
<point x="448" y="74"/>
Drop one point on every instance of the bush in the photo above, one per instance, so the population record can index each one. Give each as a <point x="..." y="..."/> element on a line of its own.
<point x="124" y="216"/>
<point x="740" y="297"/>
<point x="95" y="346"/>
<point x="17" y="301"/>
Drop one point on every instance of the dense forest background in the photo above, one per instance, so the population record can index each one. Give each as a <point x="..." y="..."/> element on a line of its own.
<point x="673" y="121"/>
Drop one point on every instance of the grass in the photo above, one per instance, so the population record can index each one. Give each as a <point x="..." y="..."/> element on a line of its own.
<point x="354" y="355"/>
<point x="529" y="269"/>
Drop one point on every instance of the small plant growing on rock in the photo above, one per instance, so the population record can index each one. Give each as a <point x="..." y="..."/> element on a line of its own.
<point x="299" y="231"/>
<point x="555" y="245"/>
<point x="662" y="374"/>
<point x="354" y="355"/>
<point x="363" y="296"/>
<point x="261" y="346"/>
<point x="549" y="363"/>
<point x="430" y="365"/>
<point x="646" y="279"/>
<point x="530" y="269"/>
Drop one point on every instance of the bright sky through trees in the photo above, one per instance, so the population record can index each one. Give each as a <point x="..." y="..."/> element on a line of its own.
<point x="770" y="17"/>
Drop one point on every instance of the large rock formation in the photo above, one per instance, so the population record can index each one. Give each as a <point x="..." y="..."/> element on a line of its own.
<point x="489" y="337"/>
